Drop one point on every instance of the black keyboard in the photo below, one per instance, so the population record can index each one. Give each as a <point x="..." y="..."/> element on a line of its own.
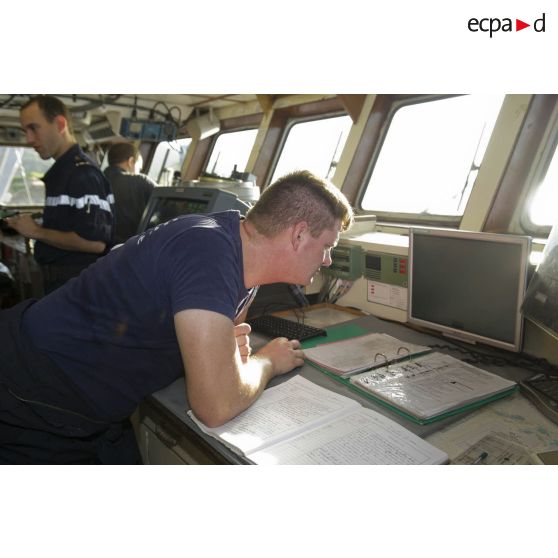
<point x="543" y="392"/>
<point x="273" y="326"/>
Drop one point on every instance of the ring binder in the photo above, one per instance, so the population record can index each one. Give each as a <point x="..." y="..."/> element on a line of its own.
<point x="405" y="349"/>
<point x="385" y="359"/>
<point x="431" y="386"/>
<point x="353" y="355"/>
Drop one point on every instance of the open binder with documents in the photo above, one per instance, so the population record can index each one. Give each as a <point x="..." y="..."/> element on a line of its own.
<point x="421" y="385"/>
<point x="432" y="386"/>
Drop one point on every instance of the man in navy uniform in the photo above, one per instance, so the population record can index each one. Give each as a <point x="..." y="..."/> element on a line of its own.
<point x="130" y="188"/>
<point x="78" y="216"/>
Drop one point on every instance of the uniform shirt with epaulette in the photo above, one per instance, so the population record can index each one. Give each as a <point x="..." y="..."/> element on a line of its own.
<point x="77" y="198"/>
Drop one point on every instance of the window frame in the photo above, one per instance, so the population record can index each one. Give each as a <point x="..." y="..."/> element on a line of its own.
<point x="509" y="207"/>
<point x="271" y="141"/>
<point x="289" y="124"/>
<point x="146" y="169"/>
<point x="213" y="143"/>
<point x="201" y="149"/>
<point x="389" y="106"/>
<point x="549" y="150"/>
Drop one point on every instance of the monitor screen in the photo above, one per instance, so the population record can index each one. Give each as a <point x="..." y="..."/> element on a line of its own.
<point x="469" y="285"/>
<point x="169" y="208"/>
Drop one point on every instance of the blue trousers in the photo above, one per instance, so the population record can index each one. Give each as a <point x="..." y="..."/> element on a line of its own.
<point x="44" y="419"/>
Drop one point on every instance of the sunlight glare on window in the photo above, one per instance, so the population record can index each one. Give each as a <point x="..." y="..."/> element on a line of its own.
<point x="431" y="154"/>
<point x="315" y="146"/>
<point x="543" y="207"/>
<point x="21" y="173"/>
<point x="168" y="159"/>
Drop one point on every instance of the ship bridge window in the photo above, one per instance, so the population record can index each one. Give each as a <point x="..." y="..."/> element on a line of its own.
<point x="314" y="145"/>
<point x="21" y="171"/>
<point x="541" y="210"/>
<point x="168" y="159"/>
<point x="429" y="158"/>
<point x="230" y="152"/>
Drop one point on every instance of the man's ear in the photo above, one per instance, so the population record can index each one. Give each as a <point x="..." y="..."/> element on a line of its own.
<point x="297" y="233"/>
<point x="61" y="123"/>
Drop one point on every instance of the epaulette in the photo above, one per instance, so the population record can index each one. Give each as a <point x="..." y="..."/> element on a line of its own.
<point x="79" y="162"/>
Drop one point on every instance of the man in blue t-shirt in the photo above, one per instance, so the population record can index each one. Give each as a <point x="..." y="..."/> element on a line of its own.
<point x="78" y="216"/>
<point x="170" y="301"/>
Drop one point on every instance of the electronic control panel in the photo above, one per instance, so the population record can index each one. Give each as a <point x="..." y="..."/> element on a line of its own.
<point x="148" y="130"/>
<point x="346" y="262"/>
<point x="385" y="268"/>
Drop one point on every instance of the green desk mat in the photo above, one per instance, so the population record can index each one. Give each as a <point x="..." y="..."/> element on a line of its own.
<point x="338" y="332"/>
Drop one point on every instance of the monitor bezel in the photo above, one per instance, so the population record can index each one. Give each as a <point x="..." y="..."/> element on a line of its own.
<point x="523" y="242"/>
<point x="179" y="193"/>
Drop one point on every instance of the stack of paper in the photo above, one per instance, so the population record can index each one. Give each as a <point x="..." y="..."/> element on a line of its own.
<point x="298" y="422"/>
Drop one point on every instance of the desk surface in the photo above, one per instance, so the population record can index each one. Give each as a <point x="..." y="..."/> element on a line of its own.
<point x="514" y="416"/>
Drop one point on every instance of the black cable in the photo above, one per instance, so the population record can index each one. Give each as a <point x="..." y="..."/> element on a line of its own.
<point x="169" y="112"/>
<point x="476" y="356"/>
<point x="300" y="315"/>
<point x="522" y="360"/>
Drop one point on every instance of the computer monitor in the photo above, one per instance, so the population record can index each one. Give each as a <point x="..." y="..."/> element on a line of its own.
<point x="541" y="300"/>
<point x="469" y="285"/>
<point x="169" y="202"/>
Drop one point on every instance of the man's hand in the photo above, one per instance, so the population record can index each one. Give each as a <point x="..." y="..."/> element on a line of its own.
<point x="284" y="354"/>
<point x="242" y="332"/>
<point x="24" y="224"/>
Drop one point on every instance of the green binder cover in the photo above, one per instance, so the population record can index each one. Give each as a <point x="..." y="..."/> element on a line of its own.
<point x="347" y="331"/>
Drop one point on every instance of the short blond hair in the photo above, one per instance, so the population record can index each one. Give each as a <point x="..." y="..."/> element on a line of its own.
<point x="300" y="196"/>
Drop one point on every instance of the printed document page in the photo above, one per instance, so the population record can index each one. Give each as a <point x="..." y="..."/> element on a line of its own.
<point x="362" y="438"/>
<point x="280" y="412"/>
<point x="514" y="418"/>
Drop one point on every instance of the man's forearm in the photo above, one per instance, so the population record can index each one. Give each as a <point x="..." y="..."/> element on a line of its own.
<point x="235" y="394"/>
<point x="254" y="377"/>
<point x="220" y="383"/>
<point x="69" y="241"/>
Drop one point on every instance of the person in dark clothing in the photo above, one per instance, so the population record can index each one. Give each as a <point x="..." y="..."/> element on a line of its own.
<point x="169" y="302"/>
<point x="130" y="188"/>
<point x="78" y="216"/>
